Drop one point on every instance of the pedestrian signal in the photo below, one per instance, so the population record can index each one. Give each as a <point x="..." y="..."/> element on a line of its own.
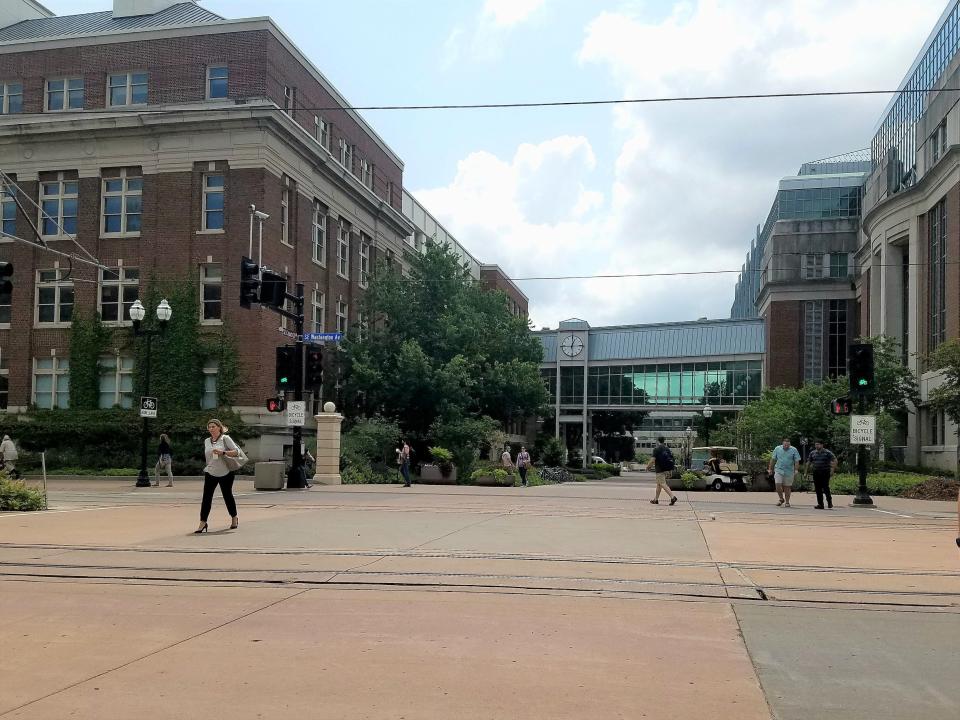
<point x="841" y="406"/>
<point x="275" y="404"/>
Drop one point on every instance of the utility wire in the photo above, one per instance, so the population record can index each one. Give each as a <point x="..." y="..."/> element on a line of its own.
<point x="532" y="104"/>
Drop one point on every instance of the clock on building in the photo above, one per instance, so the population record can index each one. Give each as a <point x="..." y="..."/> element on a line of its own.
<point x="571" y="346"/>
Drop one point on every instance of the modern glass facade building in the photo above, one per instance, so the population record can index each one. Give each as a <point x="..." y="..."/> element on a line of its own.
<point x="671" y="370"/>
<point x="826" y="189"/>
<point x="894" y="146"/>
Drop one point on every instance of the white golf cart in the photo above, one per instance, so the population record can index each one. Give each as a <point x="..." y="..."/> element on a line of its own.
<point x="719" y="465"/>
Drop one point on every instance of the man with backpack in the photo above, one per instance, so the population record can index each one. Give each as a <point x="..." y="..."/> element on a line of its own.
<point x="663" y="463"/>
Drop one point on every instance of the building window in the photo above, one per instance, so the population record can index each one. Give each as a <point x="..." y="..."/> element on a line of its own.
<point x="837" y="344"/>
<point x="4" y="383"/>
<point x="346" y="154"/>
<point x="8" y="202"/>
<point x="116" y="382"/>
<point x="322" y="131"/>
<point x="389" y="193"/>
<point x="839" y="265"/>
<point x="127" y="89"/>
<point x="364" y="261"/>
<point x="343" y="250"/>
<point x="813" y="341"/>
<point x="937" y="278"/>
<point x="342" y="309"/>
<point x="213" y="202"/>
<point x="51" y="383"/>
<point x="119" y="288"/>
<point x="59" y="201"/>
<point x="217" y="77"/>
<point x="319" y="308"/>
<point x="938" y="428"/>
<point x="64" y="94"/>
<point x="5" y="305"/>
<point x="938" y="142"/>
<point x="813" y="266"/>
<point x="361" y="326"/>
<point x="366" y="173"/>
<point x="319" y="224"/>
<point x="285" y="216"/>
<point x="289" y="99"/>
<point x="210" y="399"/>
<point x="12" y="98"/>
<point x="211" y="284"/>
<point x="122" y="204"/>
<point x="54" y="298"/>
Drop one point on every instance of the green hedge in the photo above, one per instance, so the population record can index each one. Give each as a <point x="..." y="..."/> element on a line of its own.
<point x="16" y="496"/>
<point x="877" y="483"/>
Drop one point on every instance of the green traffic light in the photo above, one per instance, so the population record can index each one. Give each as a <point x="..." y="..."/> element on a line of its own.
<point x="862" y="382"/>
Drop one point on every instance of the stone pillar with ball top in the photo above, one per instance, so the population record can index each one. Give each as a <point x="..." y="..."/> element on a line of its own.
<point x="327" y="470"/>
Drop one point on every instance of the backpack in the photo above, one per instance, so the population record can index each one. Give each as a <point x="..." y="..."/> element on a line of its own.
<point x="666" y="459"/>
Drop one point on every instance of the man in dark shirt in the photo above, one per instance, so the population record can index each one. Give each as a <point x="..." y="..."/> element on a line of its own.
<point x="823" y="463"/>
<point x="662" y="462"/>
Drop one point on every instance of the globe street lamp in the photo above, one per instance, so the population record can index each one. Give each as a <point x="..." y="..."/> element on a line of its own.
<point x="137" y="314"/>
<point x="689" y="435"/>
<point x="707" y="414"/>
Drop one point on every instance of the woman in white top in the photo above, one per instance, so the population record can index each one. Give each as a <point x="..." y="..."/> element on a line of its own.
<point x="217" y="473"/>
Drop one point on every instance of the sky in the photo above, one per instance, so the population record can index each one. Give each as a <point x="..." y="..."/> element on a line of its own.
<point x="673" y="187"/>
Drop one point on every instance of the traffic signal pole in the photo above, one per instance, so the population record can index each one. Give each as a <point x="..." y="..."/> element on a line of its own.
<point x="862" y="498"/>
<point x="296" y="477"/>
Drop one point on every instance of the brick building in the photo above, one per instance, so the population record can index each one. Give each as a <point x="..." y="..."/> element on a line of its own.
<point x="799" y="273"/>
<point x="146" y="133"/>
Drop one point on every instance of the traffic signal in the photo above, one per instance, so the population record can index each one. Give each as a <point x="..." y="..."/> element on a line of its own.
<point x="6" y="285"/>
<point x="314" y="371"/>
<point x="275" y="404"/>
<point x="860" y="370"/>
<point x="286" y="367"/>
<point x="273" y="288"/>
<point x="249" y="282"/>
<point x="841" y="406"/>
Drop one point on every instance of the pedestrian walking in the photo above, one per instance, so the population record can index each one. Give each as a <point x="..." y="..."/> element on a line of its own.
<point x="164" y="461"/>
<point x="523" y="463"/>
<point x="405" y="462"/>
<point x="217" y="472"/>
<point x="783" y="466"/>
<point x="664" y="464"/>
<point x="8" y="457"/>
<point x="506" y="461"/>
<point x="824" y="465"/>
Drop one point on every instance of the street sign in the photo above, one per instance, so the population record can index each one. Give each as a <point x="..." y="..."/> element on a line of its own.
<point x="287" y="333"/>
<point x="322" y="337"/>
<point x="148" y="407"/>
<point x="296" y="413"/>
<point x="863" y="429"/>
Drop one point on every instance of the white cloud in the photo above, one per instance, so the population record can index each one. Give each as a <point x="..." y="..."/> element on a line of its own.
<point x="507" y="13"/>
<point x="690" y="181"/>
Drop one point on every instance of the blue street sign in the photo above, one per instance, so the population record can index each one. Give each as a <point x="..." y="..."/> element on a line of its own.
<point x="318" y="337"/>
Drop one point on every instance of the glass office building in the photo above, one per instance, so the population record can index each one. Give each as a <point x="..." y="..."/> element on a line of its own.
<point x="894" y="144"/>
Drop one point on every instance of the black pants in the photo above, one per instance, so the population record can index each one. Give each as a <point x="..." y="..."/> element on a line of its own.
<point x="210" y="483"/>
<point x="821" y="483"/>
<point x="523" y="475"/>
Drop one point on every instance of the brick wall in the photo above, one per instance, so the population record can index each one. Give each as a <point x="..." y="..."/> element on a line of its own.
<point x="783" y="364"/>
<point x="493" y="278"/>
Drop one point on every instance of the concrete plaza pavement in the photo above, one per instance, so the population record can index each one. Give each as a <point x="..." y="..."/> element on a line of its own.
<point x="565" y="601"/>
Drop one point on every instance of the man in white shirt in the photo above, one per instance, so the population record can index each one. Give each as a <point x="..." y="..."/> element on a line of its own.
<point x="8" y="455"/>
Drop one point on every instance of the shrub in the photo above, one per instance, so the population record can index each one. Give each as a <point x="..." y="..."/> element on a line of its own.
<point x="15" y="495"/>
<point x="918" y="469"/>
<point x="642" y="458"/>
<point x="365" y="474"/>
<point x="689" y="480"/>
<point x="371" y="440"/>
<point x="443" y="458"/>
<point x="607" y="468"/>
<point x="553" y="452"/>
<point x="877" y="483"/>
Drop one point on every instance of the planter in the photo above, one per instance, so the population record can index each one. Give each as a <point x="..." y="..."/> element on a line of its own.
<point x="491" y="481"/>
<point x="431" y="475"/>
<point x="761" y="483"/>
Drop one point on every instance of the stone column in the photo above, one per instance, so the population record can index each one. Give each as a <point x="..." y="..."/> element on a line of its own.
<point x="327" y="470"/>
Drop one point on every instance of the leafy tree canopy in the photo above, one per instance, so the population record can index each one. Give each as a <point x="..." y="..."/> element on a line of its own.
<point x="439" y="351"/>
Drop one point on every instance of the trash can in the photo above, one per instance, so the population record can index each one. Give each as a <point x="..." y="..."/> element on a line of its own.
<point x="269" y="475"/>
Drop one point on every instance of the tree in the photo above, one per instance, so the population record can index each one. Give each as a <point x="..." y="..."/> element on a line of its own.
<point x="442" y="356"/>
<point x="946" y="397"/>
<point x="896" y="389"/>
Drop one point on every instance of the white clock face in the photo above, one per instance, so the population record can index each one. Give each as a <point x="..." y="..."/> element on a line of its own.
<point x="571" y="346"/>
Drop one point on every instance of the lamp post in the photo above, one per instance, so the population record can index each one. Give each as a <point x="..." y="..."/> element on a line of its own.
<point x="707" y="414"/>
<point x="137" y="314"/>
<point x="689" y="435"/>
